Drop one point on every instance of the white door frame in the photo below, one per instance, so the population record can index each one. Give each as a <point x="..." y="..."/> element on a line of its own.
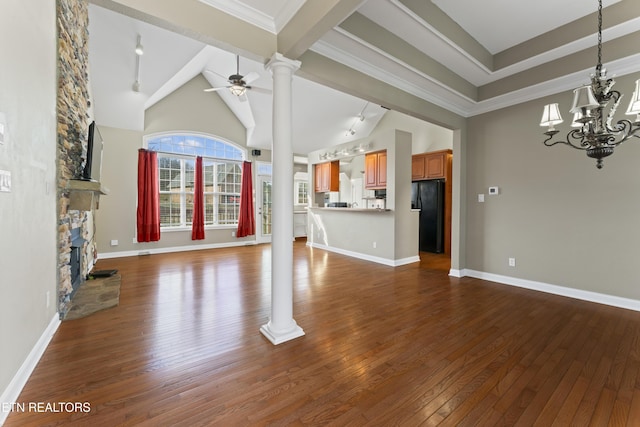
<point x="261" y="179"/>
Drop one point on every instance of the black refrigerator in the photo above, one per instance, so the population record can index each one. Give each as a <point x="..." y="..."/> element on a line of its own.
<point x="428" y="196"/>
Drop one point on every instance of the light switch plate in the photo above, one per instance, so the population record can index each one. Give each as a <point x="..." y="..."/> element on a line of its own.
<point x="3" y="128"/>
<point x="481" y="198"/>
<point x="5" y="181"/>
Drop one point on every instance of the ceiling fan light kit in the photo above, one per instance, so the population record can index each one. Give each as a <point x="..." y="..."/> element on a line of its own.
<point x="594" y="131"/>
<point x="237" y="89"/>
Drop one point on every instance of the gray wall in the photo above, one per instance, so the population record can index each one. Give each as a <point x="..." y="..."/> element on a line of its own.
<point x="186" y="109"/>
<point x="28" y="228"/>
<point x="566" y="222"/>
<point x="425" y="137"/>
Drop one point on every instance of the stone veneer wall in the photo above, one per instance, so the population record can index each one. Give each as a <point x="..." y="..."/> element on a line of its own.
<point x="73" y="106"/>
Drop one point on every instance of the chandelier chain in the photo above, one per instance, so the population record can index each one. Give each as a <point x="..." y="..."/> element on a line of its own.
<point x="599" y="66"/>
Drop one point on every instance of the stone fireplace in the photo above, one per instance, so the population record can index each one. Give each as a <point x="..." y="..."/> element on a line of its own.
<point x="76" y="258"/>
<point x="77" y="198"/>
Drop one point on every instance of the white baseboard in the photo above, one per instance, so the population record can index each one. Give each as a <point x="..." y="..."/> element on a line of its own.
<point x="580" y="294"/>
<point x="151" y="251"/>
<point x="455" y="273"/>
<point x="13" y="390"/>
<point x="379" y="260"/>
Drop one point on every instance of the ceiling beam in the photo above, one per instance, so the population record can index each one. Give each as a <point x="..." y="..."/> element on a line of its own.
<point x="314" y="19"/>
<point x="202" y="22"/>
<point x="451" y="30"/>
<point x="369" y="32"/>
<point x="327" y="72"/>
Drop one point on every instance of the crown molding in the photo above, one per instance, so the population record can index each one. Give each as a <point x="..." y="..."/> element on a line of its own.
<point x="621" y="67"/>
<point x="240" y="10"/>
<point x="287" y="12"/>
<point x="244" y="12"/>
<point x="355" y="53"/>
<point x="343" y="47"/>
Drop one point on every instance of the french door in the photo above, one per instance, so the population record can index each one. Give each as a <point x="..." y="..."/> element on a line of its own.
<point x="263" y="208"/>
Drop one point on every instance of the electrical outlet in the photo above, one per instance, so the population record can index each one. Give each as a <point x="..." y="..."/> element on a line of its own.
<point x="114" y="242"/>
<point x="135" y="240"/>
<point x="233" y="234"/>
<point x="481" y="198"/>
<point x="375" y="245"/>
<point x="48" y="300"/>
<point x="512" y="262"/>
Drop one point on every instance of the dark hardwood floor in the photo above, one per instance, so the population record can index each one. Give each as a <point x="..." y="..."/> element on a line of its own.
<point x="402" y="346"/>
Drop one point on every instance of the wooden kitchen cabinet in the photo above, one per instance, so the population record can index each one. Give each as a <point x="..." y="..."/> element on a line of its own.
<point x="327" y="177"/>
<point x="418" y="167"/>
<point x="375" y="170"/>
<point x="430" y="165"/>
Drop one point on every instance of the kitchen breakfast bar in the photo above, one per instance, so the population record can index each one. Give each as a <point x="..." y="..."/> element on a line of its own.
<point x="377" y="235"/>
<point x="370" y="179"/>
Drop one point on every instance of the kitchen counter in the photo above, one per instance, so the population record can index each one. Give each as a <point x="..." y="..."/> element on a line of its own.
<point x="351" y="209"/>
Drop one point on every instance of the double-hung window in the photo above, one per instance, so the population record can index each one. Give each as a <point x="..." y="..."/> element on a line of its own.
<point x="222" y="178"/>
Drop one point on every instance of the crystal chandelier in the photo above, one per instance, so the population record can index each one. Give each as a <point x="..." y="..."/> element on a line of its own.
<point x="594" y="131"/>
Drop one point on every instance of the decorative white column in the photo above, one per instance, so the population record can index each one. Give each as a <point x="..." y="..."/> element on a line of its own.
<point x="281" y="326"/>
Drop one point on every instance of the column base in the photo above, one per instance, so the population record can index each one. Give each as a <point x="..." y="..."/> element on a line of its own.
<point x="280" y="337"/>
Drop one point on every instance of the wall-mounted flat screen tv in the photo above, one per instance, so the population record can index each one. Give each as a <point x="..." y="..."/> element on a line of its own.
<point x="93" y="165"/>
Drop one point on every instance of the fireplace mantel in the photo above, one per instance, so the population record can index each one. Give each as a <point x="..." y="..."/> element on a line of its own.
<point x="85" y="195"/>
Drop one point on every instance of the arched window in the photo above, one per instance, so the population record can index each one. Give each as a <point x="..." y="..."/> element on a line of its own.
<point x="222" y="178"/>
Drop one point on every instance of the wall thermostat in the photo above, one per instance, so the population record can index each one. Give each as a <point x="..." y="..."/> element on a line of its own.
<point x="493" y="190"/>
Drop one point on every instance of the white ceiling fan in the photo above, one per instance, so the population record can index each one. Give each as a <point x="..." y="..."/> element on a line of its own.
<point x="239" y="84"/>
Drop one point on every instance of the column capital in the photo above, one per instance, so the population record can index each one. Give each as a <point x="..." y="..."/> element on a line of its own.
<point x="280" y="60"/>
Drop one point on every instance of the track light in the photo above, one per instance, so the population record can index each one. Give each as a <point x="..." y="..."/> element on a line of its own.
<point x="139" y="47"/>
<point x="139" y="52"/>
<point x="359" y="118"/>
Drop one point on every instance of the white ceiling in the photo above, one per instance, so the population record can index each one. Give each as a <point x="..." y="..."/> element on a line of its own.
<point x="501" y="24"/>
<point x="323" y="115"/>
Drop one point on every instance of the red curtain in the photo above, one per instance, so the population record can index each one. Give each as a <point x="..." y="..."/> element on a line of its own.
<point x="197" y="225"/>
<point x="148" y="213"/>
<point x="246" y="222"/>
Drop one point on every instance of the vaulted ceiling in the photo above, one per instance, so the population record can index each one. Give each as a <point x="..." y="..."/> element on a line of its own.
<point x="430" y="59"/>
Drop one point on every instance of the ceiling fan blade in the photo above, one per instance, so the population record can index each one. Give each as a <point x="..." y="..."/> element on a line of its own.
<point x="260" y="90"/>
<point x="250" y="77"/>
<point x="214" y="89"/>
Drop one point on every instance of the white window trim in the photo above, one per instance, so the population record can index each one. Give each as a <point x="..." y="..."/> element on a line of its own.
<point x="243" y="150"/>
